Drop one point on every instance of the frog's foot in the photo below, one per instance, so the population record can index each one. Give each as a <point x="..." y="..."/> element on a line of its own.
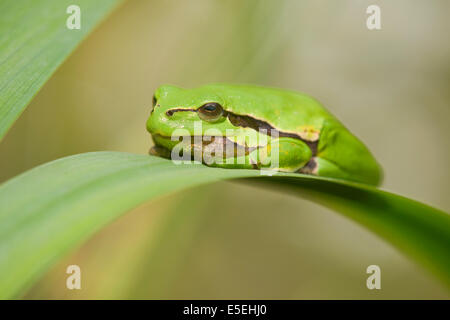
<point x="286" y="154"/>
<point x="311" y="167"/>
<point x="321" y="167"/>
<point x="159" y="152"/>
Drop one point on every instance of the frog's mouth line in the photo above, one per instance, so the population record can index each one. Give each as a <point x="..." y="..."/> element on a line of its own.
<point x="213" y="144"/>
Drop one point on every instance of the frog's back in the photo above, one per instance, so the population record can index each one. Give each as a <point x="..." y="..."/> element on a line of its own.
<point x="339" y="154"/>
<point x="285" y="110"/>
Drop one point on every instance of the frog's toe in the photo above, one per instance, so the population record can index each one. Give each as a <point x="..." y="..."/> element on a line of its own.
<point x="159" y="152"/>
<point x="325" y="168"/>
<point x="311" y="167"/>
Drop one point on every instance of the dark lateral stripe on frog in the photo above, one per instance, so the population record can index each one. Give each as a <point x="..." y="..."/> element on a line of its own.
<point x="255" y="124"/>
<point x="172" y="111"/>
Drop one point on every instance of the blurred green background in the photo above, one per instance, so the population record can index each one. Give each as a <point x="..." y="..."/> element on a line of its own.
<point x="230" y="240"/>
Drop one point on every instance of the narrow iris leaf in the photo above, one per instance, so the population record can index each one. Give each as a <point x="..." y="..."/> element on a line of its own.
<point x="50" y="209"/>
<point x="34" y="41"/>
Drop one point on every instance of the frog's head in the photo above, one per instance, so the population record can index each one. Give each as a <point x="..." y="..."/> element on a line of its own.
<point x="177" y="108"/>
<point x="188" y="112"/>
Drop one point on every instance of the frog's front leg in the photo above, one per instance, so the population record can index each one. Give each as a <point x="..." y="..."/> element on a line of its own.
<point x="282" y="154"/>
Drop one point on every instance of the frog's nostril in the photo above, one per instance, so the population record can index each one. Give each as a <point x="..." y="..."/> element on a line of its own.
<point x="169" y="113"/>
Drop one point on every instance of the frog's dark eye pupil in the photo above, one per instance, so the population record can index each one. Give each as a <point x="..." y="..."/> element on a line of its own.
<point x="210" y="107"/>
<point x="211" y="111"/>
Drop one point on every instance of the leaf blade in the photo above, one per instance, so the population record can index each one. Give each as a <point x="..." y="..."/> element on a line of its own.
<point x="35" y="43"/>
<point x="52" y="208"/>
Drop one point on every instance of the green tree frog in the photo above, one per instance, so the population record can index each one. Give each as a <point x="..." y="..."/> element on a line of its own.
<point x="308" y="138"/>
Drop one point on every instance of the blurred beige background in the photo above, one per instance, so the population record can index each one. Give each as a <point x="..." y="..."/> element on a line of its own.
<point x="390" y="87"/>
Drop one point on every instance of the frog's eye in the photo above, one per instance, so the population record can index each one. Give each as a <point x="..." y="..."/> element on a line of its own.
<point x="211" y="111"/>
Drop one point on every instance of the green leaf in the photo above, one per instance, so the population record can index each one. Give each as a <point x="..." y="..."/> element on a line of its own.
<point x="52" y="208"/>
<point x="34" y="42"/>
